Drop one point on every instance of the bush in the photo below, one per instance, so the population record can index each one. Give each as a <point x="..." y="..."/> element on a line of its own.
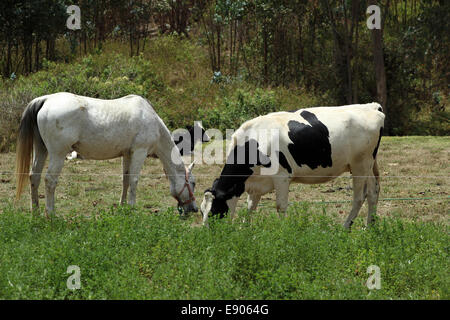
<point x="244" y="105"/>
<point x="104" y="76"/>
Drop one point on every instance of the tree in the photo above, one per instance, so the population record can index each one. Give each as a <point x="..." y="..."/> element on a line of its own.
<point x="380" y="72"/>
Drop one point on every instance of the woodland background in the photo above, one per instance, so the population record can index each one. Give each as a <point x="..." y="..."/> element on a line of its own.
<point x="230" y="60"/>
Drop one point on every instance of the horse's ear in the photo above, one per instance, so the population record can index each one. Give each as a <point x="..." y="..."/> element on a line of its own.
<point x="191" y="166"/>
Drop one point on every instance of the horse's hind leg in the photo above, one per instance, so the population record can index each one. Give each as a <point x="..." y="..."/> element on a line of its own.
<point x="136" y="162"/>
<point x="39" y="156"/>
<point x="51" y="179"/>
<point x="126" y="159"/>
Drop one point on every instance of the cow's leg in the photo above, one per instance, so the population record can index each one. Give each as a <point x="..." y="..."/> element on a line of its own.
<point x="359" y="194"/>
<point x="232" y="206"/>
<point x="373" y="191"/>
<point x="136" y="162"/>
<point x="281" y="185"/>
<point x="252" y="201"/>
<point x="51" y="180"/>
<point x="126" y="159"/>
<point x="40" y="154"/>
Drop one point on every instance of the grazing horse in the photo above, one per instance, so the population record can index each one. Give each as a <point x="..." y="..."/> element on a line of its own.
<point x="127" y="127"/>
<point x="314" y="145"/>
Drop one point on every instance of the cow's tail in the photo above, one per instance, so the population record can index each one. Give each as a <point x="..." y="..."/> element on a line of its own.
<point x="28" y="131"/>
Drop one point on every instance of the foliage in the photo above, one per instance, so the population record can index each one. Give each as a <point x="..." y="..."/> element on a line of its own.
<point x="323" y="47"/>
<point x="326" y="45"/>
<point x="128" y="254"/>
<point x="233" y="111"/>
<point x="173" y="74"/>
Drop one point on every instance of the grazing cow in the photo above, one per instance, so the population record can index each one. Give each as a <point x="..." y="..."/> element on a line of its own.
<point x="315" y="145"/>
<point x="184" y="148"/>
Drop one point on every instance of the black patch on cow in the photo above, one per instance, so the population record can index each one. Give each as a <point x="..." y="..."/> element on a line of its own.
<point x="283" y="162"/>
<point x="292" y="111"/>
<point x="311" y="144"/>
<point x="236" y="171"/>
<point x="374" y="154"/>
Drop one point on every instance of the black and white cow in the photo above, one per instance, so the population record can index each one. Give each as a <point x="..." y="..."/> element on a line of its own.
<point x="315" y="145"/>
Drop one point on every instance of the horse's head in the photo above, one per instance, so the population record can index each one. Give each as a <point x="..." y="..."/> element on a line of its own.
<point x="185" y="195"/>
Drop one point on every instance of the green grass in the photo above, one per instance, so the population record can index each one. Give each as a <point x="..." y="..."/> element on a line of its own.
<point x="125" y="253"/>
<point x="149" y="252"/>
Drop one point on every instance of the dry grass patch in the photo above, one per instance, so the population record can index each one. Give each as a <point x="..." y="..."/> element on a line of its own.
<point x="411" y="168"/>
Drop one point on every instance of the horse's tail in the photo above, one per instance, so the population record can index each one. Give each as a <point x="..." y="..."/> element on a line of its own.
<point x="28" y="131"/>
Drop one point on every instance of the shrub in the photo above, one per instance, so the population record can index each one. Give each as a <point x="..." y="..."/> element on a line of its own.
<point x="244" y="105"/>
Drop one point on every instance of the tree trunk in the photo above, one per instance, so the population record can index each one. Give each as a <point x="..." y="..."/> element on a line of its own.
<point x="380" y="73"/>
<point x="354" y="29"/>
<point x="266" y="71"/>
<point x="219" y="39"/>
<point x="36" y="55"/>
<point x="7" y="71"/>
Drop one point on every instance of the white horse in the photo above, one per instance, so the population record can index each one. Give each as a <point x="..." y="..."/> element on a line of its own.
<point x="127" y="127"/>
<point x="185" y="141"/>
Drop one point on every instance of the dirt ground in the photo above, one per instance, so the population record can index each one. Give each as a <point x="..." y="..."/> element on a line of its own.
<point x="414" y="169"/>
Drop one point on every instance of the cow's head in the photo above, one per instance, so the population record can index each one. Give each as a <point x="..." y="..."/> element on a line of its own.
<point x="215" y="201"/>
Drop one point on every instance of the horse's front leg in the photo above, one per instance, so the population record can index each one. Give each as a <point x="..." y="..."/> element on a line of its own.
<point x="51" y="180"/>
<point x="136" y="162"/>
<point x="126" y="159"/>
